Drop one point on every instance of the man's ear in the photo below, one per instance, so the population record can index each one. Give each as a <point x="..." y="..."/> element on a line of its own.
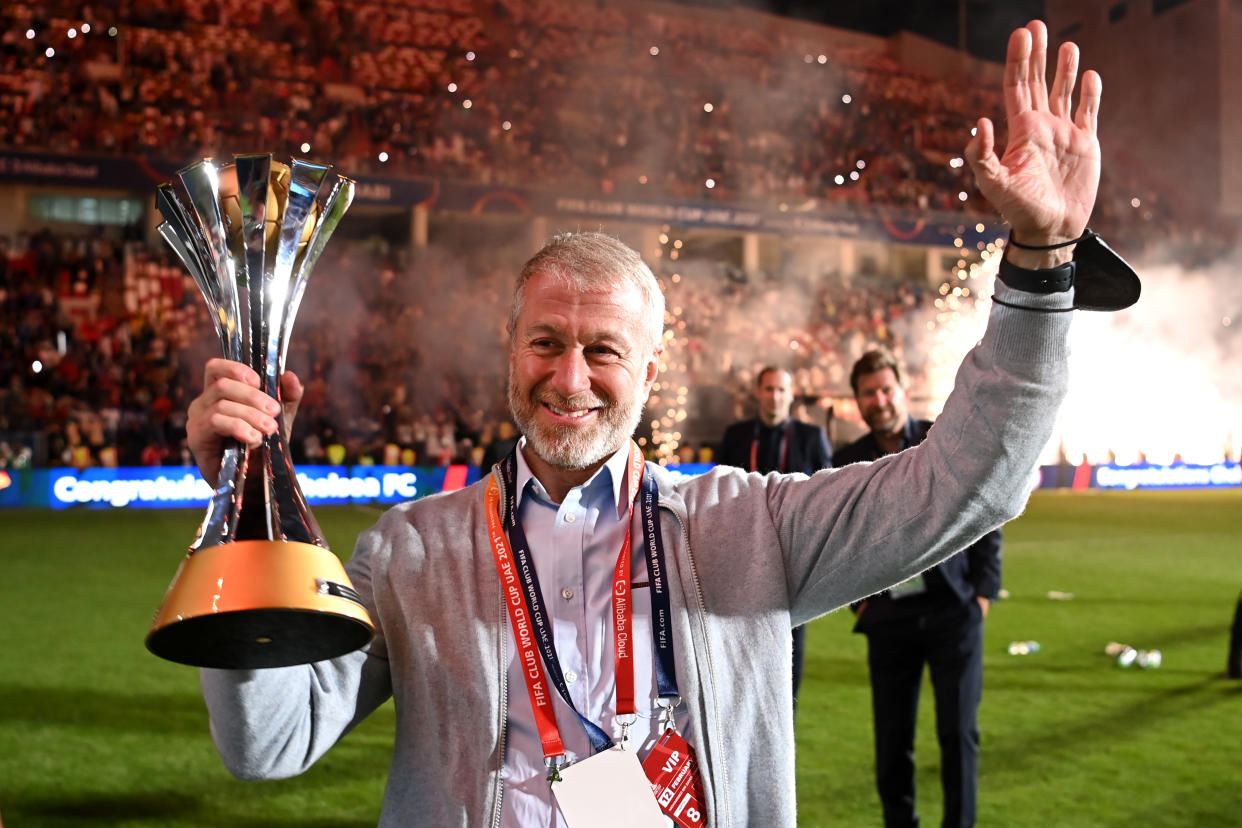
<point x="653" y="366"/>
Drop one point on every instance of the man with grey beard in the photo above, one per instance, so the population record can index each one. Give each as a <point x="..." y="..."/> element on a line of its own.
<point x="544" y="678"/>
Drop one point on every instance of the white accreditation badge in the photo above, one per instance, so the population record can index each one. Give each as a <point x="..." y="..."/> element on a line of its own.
<point x="608" y="790"/>
<point x="911" y="586"/>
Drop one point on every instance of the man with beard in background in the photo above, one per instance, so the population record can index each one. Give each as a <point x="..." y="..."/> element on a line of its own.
<point x="775" y="441"/>
<point x="686" y="642"/>
<point x="933" y="619"/>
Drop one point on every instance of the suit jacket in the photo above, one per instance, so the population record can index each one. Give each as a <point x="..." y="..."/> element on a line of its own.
<point x="973" y="572"/>
<point x="805" y="448"/>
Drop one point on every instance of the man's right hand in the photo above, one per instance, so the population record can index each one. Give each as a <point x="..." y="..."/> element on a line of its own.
<point x="233" y="406"/>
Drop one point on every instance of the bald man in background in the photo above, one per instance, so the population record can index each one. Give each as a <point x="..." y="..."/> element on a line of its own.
<point x="775" y="441"/>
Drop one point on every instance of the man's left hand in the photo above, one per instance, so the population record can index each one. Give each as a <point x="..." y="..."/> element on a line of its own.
<point x="1045" y="183"/>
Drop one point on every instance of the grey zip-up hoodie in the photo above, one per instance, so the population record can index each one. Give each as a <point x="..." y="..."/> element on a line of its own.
<point x="748" y="557"/>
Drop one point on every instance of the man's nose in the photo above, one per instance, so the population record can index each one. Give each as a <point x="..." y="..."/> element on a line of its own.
<point x="572" y="375"/>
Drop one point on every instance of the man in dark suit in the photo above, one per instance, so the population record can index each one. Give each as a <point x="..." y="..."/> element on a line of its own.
<point x="935" y="618"/>
<point x="776" y="442"/>
<point x="1233" y="665"/>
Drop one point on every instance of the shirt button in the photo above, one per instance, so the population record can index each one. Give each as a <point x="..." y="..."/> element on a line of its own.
<point x="570" y="518"/>
<point x="567" y="593"/>
<point x="571" y="676"/>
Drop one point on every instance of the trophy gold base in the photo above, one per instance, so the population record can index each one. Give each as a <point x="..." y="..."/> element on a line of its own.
<point x="258" y="603"/>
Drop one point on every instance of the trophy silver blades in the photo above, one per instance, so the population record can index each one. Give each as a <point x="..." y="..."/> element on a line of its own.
<point x="253" y="179"/>
<point x="190" y="242"/>
<point x="291" y="516"/>
<point x="331" y="197"/>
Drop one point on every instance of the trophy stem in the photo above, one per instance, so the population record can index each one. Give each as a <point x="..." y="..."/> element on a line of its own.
<point x="220" y="524"/>
<point x="293" y="515"/>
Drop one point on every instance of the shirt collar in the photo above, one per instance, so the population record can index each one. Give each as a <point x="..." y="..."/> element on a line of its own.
<point x="907" y="438"/>
<point x="616" y="467"/>
<point x="907" y="433"/>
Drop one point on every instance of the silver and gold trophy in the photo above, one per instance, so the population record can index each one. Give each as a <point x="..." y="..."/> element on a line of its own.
<point x="259" y="587"/>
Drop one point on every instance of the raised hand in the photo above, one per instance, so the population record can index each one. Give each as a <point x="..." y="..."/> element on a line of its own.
<point x="233" y="407"/>
<point x="1045" y="183"/>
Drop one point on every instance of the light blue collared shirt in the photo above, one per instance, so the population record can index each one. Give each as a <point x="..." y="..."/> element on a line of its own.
<point x="575" y="546"/>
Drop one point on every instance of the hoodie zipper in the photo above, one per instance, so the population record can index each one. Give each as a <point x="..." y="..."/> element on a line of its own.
<point x="504" y="685"/>
<point x="722" y="782"/>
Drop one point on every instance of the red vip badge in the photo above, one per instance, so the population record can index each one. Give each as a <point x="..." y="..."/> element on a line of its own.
<point x="674" y="776"/>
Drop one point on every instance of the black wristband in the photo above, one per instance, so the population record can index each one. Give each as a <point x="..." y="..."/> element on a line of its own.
<point x="1051" y="280"/>
<point x="1086" y="234"/>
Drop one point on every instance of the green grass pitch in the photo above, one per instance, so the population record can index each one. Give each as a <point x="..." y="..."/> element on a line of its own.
<point x="96" y="731"/>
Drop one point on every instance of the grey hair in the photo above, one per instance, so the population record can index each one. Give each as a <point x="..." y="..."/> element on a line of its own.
<point x="594" y="262"/>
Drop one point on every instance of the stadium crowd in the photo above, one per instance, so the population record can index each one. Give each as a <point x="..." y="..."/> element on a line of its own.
<point x="101" y="344"/>
<point x="644" y="101"/>
<point x="635" y="100"/>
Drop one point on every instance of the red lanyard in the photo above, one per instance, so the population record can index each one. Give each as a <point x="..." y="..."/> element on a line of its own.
<point x="520" y="614"/>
